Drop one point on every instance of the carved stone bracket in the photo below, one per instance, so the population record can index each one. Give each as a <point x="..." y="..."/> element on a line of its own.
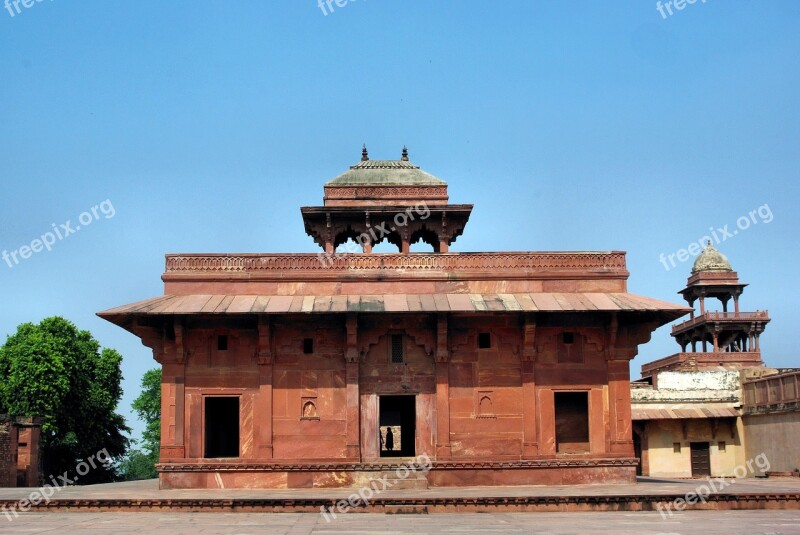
<point x="151" y="337"/>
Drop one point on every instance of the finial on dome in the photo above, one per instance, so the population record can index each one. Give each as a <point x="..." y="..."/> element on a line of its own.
<point x="364" y="153"/>
<point x="404" y="157"/>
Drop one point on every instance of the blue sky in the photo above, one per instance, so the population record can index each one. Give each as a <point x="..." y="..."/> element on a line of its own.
<point x="571" y="126"/>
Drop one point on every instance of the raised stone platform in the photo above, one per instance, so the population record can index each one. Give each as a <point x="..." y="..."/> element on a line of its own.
<point x="647" y="495"/>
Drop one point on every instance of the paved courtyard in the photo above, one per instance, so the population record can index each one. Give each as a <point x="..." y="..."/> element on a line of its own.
<point x="705" y="522"/>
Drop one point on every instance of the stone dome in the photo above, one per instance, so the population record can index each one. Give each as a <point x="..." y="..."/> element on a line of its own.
<point x="711" y="260"/>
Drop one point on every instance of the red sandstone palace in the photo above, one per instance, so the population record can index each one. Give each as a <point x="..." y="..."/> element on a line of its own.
<point x="326" y="370"/>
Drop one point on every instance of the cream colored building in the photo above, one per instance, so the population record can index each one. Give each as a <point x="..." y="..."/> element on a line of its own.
<point x="688" y="424"/>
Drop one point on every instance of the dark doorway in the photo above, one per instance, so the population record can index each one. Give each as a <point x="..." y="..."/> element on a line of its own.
<point x="637" y="451"/>
<point x="397" y="426"/>
<point x="701" y="459"/>
<point x="222" y="427"/>
<point x="572" y="422"/>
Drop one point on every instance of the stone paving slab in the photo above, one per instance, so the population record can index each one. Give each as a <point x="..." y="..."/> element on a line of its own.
<point x="644" y="523"/>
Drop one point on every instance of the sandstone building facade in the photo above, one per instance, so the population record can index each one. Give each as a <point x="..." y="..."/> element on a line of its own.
<point x="324" y="370"/>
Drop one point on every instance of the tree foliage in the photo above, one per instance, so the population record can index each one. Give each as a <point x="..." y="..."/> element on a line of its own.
<point x="60" y="373"/>
<point x="148" y="407"/>
<point x="137" y="465"/>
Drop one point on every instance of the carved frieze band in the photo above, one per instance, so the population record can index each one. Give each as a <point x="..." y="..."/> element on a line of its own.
<point x="613" y="262"/>
<point x="382" y="466"/>
<point x="352" y="192"/>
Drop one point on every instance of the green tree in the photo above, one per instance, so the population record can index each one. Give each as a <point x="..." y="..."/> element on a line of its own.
<point x="137" y="465"/>
<point x="148" y="407"/>
<point x="60" y="373"/>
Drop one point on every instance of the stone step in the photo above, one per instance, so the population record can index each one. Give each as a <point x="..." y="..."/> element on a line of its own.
<point x="414" y="480"/>
<point x="405" y="509"/>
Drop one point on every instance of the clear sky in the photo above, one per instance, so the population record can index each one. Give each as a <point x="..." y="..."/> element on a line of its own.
<point x="578" y="125"/>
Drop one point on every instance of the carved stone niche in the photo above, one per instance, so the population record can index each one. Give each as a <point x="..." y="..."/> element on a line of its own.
<point x="308" y="408"/>
<point x="484" y="406"/>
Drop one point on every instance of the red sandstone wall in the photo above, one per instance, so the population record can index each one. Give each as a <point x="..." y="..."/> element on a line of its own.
<point x="486" y="410"/>
<point x="500" y="405"/>
<point x="8" y="454"/>
<point x="28" y="455"/>
<point x="366" y="287"/>
<point x="314" y="380"/>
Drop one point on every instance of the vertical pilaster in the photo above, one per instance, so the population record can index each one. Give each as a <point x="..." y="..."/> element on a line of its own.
<point x="619" y="400"/>
<point x="173" y="410"/>
<point x="443" y="449"/>
<point x="530" y="439"/>
<point x="353" y="410"/>
<point x="263" y="404"/>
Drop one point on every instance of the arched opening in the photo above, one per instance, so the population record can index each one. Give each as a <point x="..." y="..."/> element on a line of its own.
<point x="347" y="242"/>
<point x="391" y="243"/>
<point x="350" y="246"/>
<point x="424" y="240"/>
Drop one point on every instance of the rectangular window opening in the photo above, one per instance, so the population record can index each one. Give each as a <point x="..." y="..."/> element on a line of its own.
<point x="570" y="350"/>
<point x="572" y="422"/>
<point x="722" y="446"/>
<point x="222" y="342"/>
<point x="308" y="345"/>
<point x="397" y="349"/>
<point x="676" y="447"/>
<point x="484" y="340"/>
<point x="221" y="427"/>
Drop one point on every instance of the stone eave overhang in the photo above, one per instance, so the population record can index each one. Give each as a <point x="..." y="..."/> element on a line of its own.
<point x="625" y="305"/>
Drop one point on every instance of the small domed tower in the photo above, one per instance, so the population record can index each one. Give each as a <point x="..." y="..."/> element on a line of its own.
<point x="718" y="339"/>
<point x="386" y="200"/>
